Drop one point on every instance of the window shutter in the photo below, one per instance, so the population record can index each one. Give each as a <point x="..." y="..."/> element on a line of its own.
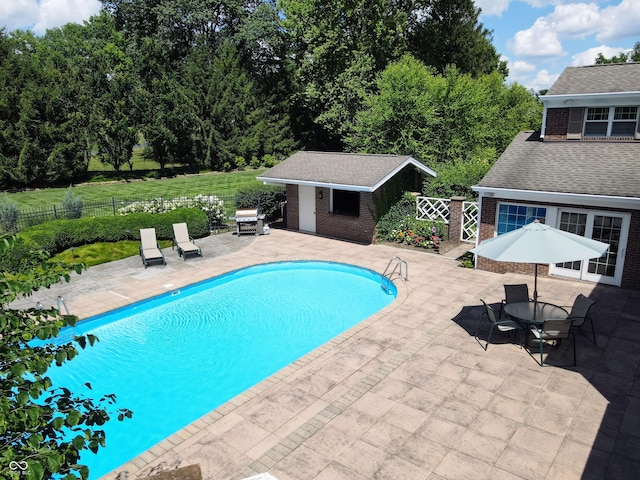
<point x="576" y="118"/>
<point x="638" y="130"/>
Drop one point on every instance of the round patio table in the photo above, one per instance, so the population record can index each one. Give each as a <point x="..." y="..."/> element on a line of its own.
<point x="534" y="313"/>
<point x="523" y="313"/>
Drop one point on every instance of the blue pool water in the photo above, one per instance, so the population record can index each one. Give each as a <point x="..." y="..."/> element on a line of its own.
<point x="176" y="357"/>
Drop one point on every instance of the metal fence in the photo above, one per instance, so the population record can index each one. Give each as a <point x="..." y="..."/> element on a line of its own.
<point x="113" y="206"/>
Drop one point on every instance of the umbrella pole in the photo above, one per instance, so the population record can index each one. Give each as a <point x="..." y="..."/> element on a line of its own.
<point x="535" y="292"/>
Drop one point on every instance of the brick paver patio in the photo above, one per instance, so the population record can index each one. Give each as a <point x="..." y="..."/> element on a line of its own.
<point x="408" y="393"/>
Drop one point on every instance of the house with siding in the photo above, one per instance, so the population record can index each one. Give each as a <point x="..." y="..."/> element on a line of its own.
<point x="342" y="195"/>
<point x="579" y="173"/>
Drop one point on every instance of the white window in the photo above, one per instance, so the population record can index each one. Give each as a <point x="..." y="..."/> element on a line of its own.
<point x="611" y="121"/>
<point x="512" y="216"/>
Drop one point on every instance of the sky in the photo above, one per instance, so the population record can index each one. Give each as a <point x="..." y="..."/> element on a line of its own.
<point x="538" y="38"/>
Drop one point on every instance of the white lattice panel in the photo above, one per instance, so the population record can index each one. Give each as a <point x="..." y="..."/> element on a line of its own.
<point x="469" y="221"/>
<point x="429" y="208"/>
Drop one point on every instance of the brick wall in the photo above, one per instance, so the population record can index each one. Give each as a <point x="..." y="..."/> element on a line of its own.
<point x="356" y="229"/>
<point x="557" y="122"/>
<point x="293" y="219"/>
<point x="454" y="230"/>
<point x="631" y="271"/>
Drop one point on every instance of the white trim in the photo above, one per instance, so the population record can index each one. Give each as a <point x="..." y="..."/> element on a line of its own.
<point x="608" y="201"/>
<point x="410" y="160"/>
<point x="590" y="99"/>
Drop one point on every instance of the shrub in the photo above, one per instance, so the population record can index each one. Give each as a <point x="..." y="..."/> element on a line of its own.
<point x="398" y="212"/>
<point x="59" y="235"/>
<point x="269" y="160"/>
<point x="267" y="198"/>
<point x="72" y="204"/>
<point x="241" y="163"/>
<point x="255" y="163"/>
<point x="8" y="215"/>
<point x="400" y="225"/>
<point x="210" y="204"/>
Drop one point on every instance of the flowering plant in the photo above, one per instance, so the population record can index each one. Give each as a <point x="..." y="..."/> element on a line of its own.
<point x="210" y="204"/>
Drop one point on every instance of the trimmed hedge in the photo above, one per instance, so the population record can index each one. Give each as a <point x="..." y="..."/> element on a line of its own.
<point x="265" y="197"/>
<point x="59" y="235"/>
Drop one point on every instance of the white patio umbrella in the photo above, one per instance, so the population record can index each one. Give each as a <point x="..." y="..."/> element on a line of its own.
<point x="538" y="243"/>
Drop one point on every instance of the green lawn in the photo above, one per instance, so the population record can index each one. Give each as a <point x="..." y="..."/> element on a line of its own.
<point x="103" y="252"/>
<point x="218" y="183"/>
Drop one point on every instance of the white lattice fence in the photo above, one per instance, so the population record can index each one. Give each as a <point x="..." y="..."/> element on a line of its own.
<point x="429" y="208"/>
<point x="469" y="221"/>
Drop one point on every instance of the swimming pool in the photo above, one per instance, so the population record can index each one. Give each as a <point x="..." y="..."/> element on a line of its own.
<point x="174" y="358"/>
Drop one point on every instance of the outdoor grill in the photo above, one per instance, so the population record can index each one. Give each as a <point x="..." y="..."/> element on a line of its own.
<point x="249" y="221"/>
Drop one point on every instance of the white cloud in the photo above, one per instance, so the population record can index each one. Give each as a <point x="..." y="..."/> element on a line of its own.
<point x="17" y="13"/>
<point x="574" y="20"/>
<point x="39" y="15"/>
<point x="620" y="21"/>
<point x="493" y="7"/>
<point x="55" y="13"/>
<point x="588" y="57"/>
<point x="541" y="40"/>
<point x="542" y="3"/>
<point x="543" y="80"/>
<point x="519" y="67"/>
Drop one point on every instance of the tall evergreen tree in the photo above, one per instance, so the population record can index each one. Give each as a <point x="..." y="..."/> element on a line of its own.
<point x="447" y="32"/>
<point x="41" y="139"/>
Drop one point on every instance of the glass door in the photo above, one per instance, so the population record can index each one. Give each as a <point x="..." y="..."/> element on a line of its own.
<point x="607" y="227"/>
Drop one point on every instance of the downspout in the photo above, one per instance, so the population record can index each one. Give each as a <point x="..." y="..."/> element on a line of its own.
<point x="544" y="122"/>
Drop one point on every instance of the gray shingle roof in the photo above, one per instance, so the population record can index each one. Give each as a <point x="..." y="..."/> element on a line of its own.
<point x="591" y="168"/>
<point x="611" y="78"/>
<point x="359" y="171"/>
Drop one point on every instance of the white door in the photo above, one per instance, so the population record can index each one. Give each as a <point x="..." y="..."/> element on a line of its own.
<point x="307" y="208"/>
<point x="607" y="227"/>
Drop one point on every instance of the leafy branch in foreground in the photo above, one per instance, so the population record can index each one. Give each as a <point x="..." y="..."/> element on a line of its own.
<point x="43" y="427"/>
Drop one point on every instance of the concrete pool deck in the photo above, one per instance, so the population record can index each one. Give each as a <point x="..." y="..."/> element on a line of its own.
<point x="407" y="393"/>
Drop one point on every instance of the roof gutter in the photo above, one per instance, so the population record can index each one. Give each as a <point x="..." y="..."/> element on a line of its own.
<point x="590" y="99"/>
<point x="632" y="203"/>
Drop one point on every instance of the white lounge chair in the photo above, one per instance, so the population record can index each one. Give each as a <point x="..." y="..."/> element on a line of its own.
<point x="149" y="248"/>
<point x="183" y="241"/>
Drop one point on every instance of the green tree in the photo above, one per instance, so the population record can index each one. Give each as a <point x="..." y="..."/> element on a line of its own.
<point x="232" y="119"/>
<point x="338" y="48"/>
<point x="114" y="84"/>
<point x="41" y="141"/>
<point x="402" y="118"/>
<point x="454" y="122"/>
<point x="41" y="424"/>
<point x="168" y="121"/>
<point x="622" y="57"/>
<point x="447" y="32"/>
